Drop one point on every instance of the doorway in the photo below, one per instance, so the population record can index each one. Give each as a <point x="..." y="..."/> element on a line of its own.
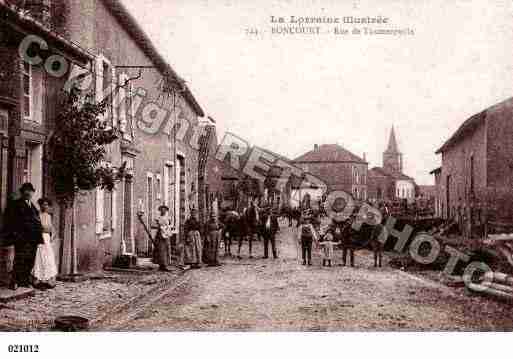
<point x="448" y="196"/>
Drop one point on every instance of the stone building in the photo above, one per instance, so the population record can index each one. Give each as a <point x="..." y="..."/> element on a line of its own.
<point x="339" y="169"/>
<point x="28" y="103"/>
<point x="162" y="154"/>
<point x="477" y="165"/>
<point x="152" y="107"/>
<point x="389" y="182"/>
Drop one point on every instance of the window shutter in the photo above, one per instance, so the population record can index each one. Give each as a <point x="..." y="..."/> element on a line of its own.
<point x="166" y="185"/>
<point x="98" y="95"/>
<point x="121" y="104"/>
<point x="99" y="210"/>
<point x="113" y="93"/>
<point x="114" y="210"/>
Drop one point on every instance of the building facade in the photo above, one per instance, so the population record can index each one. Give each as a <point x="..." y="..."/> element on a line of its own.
<point x="477" y="165"/>
<point x="338" y="168"/>
<point x="29" y="99"/>
<point x="154" y="110"/>
<point x="389" y="183"/>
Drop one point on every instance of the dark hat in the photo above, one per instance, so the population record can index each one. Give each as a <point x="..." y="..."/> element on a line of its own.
<point x="163" y="206"/>
<point x="27" y="186"/>
<point x="42" y="200"/>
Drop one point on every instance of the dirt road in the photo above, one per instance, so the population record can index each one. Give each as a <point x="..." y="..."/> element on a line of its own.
<point x="266" y="294"/>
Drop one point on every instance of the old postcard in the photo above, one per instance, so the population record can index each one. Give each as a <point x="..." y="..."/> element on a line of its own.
<point x="244" y="166"/>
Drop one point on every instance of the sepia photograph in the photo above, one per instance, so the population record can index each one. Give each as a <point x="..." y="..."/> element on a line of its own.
<point x="225" y="167"/>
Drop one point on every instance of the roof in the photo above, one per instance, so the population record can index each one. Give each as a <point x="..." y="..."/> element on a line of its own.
<point x="392" y="143"/>
<point x="436" y="170"/>
<point x="467" y="127"/>
<point x="141" y="38"/>
<point x="377" y="171"/>
<point x="429" y="190"/>
<point x="380" y="171"/>
<point x="9" y="13"/>
<point x="330" y="153"/>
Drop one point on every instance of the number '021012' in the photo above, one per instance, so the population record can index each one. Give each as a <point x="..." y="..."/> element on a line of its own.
<point x="23" y="348"/>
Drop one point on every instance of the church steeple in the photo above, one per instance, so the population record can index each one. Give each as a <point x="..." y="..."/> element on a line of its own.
<point x="392" y="158"/>
<point x="392" y="143"/>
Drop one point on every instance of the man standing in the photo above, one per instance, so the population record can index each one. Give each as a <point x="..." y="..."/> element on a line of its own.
<point x="26" y="231"/>
<point x="270" y="227"/>
<point x="252" y="225"/>
<point x="307" y="235"/>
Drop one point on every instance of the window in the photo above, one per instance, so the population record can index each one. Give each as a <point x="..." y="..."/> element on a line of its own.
<point x="472" y="175"/>
<point x="158" y="187"/>
<point x="124" y="106"/>
<point x="168" y="188"/>
<point x="107" y="211"/>
<point x="149" y="197"/>
<point x="27" y="90"/>
<point x="105" y="74"/>
<point x="26" y="166"/>
<point x="32" y="170"/>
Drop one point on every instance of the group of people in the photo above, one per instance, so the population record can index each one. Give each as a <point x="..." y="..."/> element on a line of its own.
<point x="201" y="242"/>
<point x="251" y="224"/>
<point x="200" y="245"/>
<point x="339" y="233"/>
<point x="29" y="229"/>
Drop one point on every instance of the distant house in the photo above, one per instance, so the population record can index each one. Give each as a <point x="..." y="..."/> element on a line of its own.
<point x="477" y="164"/>
<point x="437" y="172"/>
<point x="389" y="182"/>
<point x="337" y="167"/>
<point x="234" y="187"/>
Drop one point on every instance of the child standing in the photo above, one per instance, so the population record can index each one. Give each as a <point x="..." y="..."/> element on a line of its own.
<point x="327" y="243"/>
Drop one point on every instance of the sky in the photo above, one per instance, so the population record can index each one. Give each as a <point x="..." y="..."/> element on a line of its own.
<point x="289" y="92"/>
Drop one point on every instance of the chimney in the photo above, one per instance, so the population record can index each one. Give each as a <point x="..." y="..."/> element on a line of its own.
<point x="364" y="156"/>
<point x="316" y="147"/>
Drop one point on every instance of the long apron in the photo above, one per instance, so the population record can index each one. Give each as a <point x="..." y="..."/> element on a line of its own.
<point x="193" y="248"/>
<point x="212" y="247"/>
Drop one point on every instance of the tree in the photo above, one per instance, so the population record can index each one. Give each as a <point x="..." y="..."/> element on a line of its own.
<point x="77" y="148"/>
<point x="77" y="155"/>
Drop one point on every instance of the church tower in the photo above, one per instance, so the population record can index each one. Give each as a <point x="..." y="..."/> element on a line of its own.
<point x="392" y="158"/>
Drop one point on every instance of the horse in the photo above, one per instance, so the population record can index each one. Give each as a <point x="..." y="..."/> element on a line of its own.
<point x="366" y="236"/>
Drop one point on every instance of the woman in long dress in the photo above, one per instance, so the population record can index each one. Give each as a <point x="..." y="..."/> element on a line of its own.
<point x="193" y="246"/>
<point x="163" y="237"/>
<point x="212" y="237"/>
<point x="45" y="270"/>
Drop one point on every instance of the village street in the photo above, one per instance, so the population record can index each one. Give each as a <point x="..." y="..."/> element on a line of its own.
<point x="261" y="295"/>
